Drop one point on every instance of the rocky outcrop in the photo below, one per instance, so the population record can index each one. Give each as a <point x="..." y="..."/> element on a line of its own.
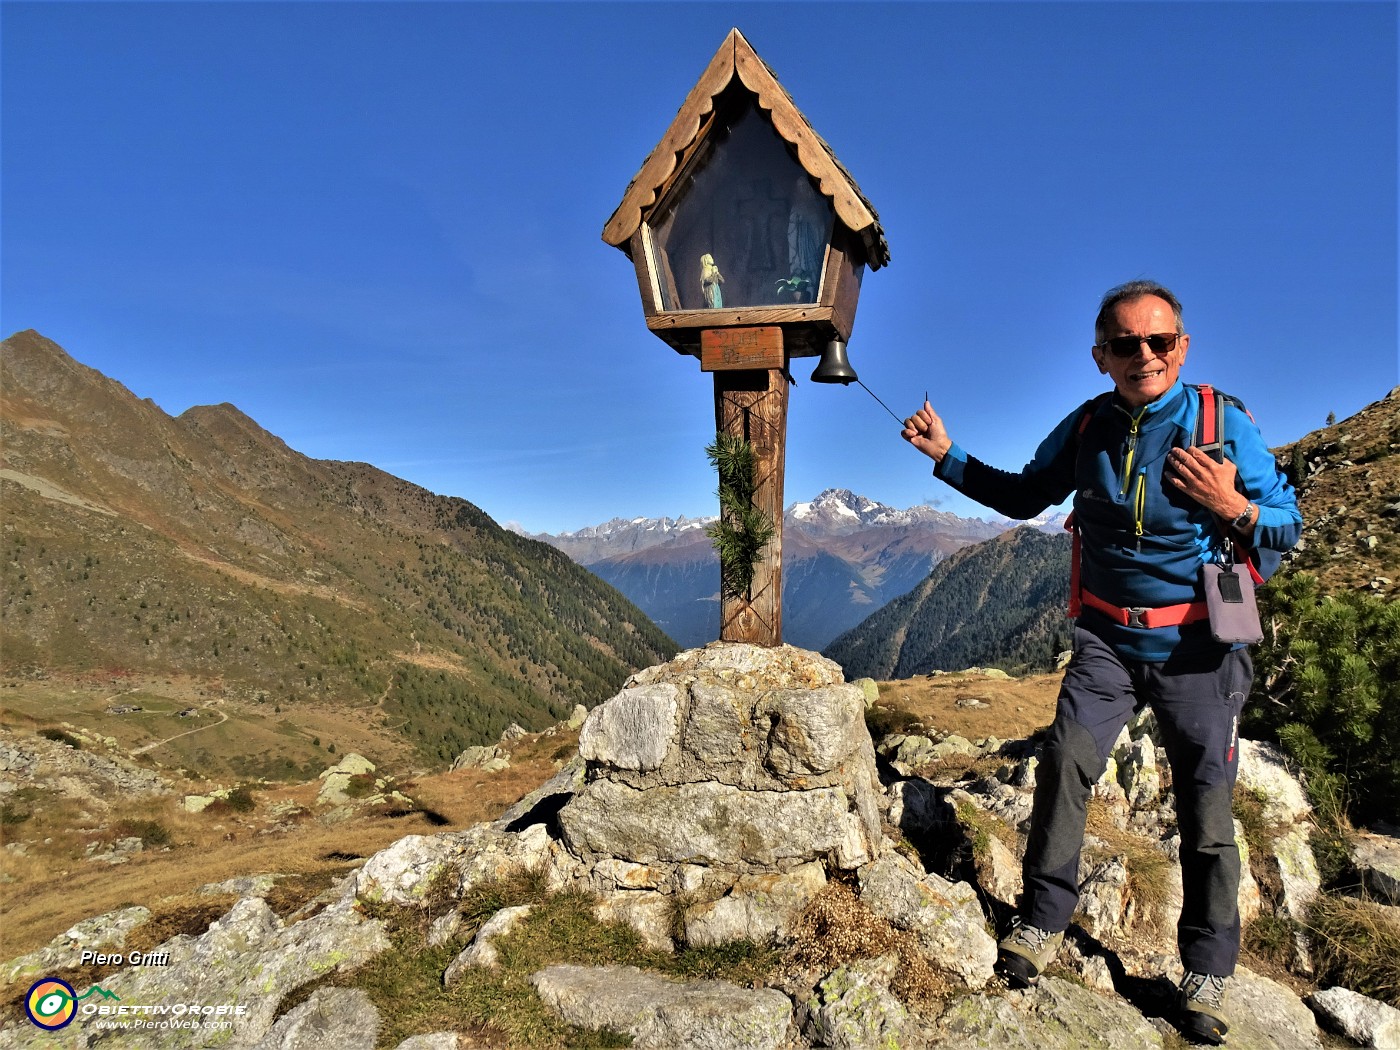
<point x="720" y="798"/>
<point x="79" y="773"/>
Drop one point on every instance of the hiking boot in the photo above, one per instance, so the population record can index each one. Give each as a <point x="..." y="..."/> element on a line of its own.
<point x="1200" y="1002"/>
<point x="1025" y="952"/>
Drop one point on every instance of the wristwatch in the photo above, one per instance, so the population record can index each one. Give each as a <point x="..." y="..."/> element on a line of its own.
<point x="1242" y="522"/>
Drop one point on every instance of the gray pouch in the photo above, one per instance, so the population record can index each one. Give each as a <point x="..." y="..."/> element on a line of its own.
<point x="1234" y="614"/>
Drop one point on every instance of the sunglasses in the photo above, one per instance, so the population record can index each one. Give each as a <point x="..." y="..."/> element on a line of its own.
<point x="1126" y="346"/>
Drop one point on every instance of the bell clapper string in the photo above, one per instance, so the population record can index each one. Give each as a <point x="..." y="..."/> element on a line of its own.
<point x="881" y="403"/>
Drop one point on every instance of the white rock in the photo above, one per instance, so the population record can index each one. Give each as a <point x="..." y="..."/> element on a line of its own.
<point x="634" y="729"/>
<point x="1365" y="1021"/>
<point x="944" y="916"/>
<point x="662" y="1015"/>
<point x="712" y="825"/>
<point x="482" y="950"/>
<point x="758" y="908"/>
<point x="1263" y="771"/>
<point x="332" y="1019"/>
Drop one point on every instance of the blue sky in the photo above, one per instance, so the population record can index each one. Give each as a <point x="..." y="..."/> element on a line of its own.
<point x="375" y="227"/>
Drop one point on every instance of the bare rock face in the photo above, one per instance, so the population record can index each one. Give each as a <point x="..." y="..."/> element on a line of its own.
<point x="332" y="1019"/>
<point x="1055" y="1015"/>
<point x="662" y="1015"/>
<point x="1365" y="1021"/>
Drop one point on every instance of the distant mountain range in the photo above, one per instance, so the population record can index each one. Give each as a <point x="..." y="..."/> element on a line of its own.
<point x="844" y="557"/>
<point x="203" y="545"/>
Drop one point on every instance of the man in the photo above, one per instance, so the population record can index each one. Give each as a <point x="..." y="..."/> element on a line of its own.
<point x="1150" y="509"/>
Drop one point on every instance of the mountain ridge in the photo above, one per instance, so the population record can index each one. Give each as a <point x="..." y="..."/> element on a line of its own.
<point x="204" y="545"/>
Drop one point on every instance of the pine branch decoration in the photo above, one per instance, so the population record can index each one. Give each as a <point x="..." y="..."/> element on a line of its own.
<point x="743" y="530"/>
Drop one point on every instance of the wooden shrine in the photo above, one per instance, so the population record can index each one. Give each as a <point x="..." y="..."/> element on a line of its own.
<point x="750" y="240"/>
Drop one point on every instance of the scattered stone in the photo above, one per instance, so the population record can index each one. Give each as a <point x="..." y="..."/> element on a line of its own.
<point x="577" y="717"/>
<point x="337" y="779"/>
<point x="490" y="758"/>
<point x="513" y="732"/>
<point x="662" y="1015"/>
<point x="250" y="957"/>
<point x="405" y="872"/>
<point x="869" y="689"/>
<point x="433" y="1041"/>
<point x="1377" y="858"/>
<point x="852" y="1008"/>
<point x="197" y="803"/>
<point x="243" y="886"/>
<point x="332" y="1019"/>
<point x="1365" y="1021"/>
<point x="482" y="951"/>
<point x="1264" y="1015"/>
<point x="96" y="934"/>
<point x="759" y="908"/>
<point x="944" y="916"/>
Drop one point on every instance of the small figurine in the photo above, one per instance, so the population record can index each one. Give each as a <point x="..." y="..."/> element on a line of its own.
<point x="710" y="281"/>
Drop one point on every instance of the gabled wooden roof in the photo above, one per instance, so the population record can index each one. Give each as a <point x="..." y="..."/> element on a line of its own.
<point x="737" y="58"/>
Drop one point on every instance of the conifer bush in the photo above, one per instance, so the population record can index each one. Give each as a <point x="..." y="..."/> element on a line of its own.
<point x="1327" y="689"/>
<point x="743" y="529"/>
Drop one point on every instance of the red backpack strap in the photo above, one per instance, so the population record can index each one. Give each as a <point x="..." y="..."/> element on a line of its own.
<point x="1210" y="423"/>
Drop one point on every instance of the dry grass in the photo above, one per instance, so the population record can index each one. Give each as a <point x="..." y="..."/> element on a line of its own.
<point x="1149" y="871"/>
<point x="1015" y="709"/>
<point x="837" y="929"/>
<point x="1356" y="944"/>
<point x="53" y="886"/>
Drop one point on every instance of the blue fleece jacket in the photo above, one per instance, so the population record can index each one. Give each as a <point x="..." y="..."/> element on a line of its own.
<point x="1143" y="540"/>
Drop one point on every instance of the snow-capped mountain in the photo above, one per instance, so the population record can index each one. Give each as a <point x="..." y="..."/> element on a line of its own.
<point x="840" y="512"/>
<point x="620" y="536"/>
<point x="844" y="556"/>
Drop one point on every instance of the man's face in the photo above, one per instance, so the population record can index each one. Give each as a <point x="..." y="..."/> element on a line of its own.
<point x="1144" y="376"/>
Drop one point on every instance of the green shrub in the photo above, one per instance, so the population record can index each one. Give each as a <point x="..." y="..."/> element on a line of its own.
<point x="361" y="785"/>
<point x="1327" y="689"/>
<point x="150" y="832"/>
<point x="241" y="800"/>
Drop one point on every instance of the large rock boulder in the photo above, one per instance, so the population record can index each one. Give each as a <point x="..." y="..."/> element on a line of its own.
<point x="735" y="775"/>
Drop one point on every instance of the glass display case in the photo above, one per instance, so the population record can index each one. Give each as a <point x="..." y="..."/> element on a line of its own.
<point x="743" y="224"/>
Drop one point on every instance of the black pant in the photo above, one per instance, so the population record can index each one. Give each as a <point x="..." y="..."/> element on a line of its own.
<point x="1197" y="701"/>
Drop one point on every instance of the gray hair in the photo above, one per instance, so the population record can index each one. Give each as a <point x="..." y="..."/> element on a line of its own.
<point x="1128" y="292"/>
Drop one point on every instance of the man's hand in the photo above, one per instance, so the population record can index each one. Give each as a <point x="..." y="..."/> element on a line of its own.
<point x="924" y="430"/>
<point x="1209" y="483"/>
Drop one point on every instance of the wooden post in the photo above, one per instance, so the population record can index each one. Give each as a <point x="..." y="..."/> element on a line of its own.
<point x="752" y="404"/>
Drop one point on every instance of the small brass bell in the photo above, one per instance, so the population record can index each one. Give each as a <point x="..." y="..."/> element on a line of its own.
<point x="833" y="367"/>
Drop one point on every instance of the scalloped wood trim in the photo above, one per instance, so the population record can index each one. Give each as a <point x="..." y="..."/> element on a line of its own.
<point x="812" y="151"/>
<point x="661" y="163"/>
<point x="736" y="57"/>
